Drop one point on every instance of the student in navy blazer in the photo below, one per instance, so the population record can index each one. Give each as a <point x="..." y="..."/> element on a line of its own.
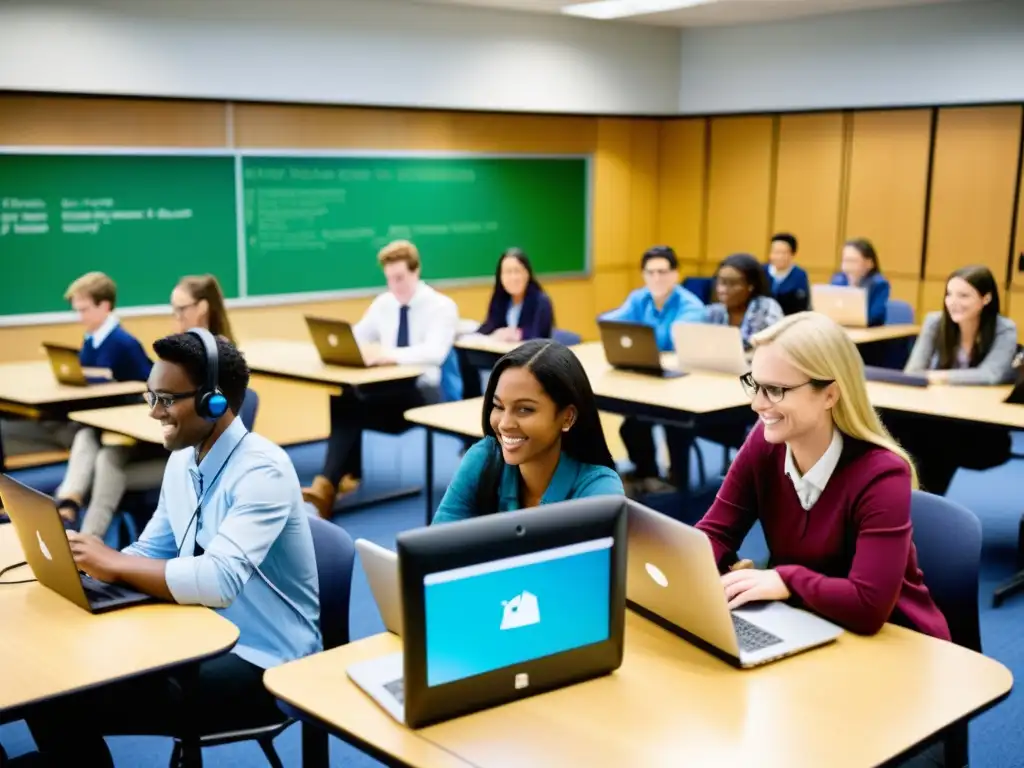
<point x="790" y="285"/>
<point x="860" y="268"/>
<point x="520" y="310"/>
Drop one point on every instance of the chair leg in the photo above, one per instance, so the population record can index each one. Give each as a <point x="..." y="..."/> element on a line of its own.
<point x="1008" y="589"/>
<point x="175" y="755"/>
<point x="955" y="747"/>
<point x="701" y="474"/>
<point x="267" y="745"/>
<point x="186" y="755"/>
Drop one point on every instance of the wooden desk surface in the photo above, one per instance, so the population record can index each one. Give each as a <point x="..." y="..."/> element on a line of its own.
<point x="33" y="384"/>
<point x="479" y="343"/>
<point x="52" y="647"/>
<point x="672" y="704"/>
<point x="128" y="420"/>
<point x="980" y="404"/>
<point x="299" y="360"/>
<point x="882" y="333"/>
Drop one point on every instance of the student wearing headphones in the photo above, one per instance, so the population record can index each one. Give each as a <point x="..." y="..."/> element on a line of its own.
<point x="543" y="441"/>
<point x="829" y="485"/>
<point x="860" y="268"/>
<point x="101" y="473"/>
<point x="231" y="533"/>
<point x="968" y="343"/>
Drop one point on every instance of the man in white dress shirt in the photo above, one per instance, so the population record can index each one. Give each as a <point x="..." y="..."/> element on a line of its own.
<point x="409" y="324"/>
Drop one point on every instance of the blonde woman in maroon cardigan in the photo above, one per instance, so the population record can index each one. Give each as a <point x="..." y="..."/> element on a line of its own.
<point x="829" y="485"/>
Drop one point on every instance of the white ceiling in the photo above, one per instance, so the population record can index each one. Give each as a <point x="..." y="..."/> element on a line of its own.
<point x="721" y="12"/>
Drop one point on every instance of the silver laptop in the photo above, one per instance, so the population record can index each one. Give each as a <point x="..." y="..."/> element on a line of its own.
<point x="845" y="304"/>
<point x="335" y="341"/>
<point x="672" y="577"/>
<point x="381" y="568"/>
<point x="705" y="347"/>
<point x="47" y="552"/>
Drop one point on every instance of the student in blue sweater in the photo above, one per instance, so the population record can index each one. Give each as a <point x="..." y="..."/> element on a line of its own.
<point x="543" y="441"/>
<point x="789" y="283"/>
<point x="860" y="268"/>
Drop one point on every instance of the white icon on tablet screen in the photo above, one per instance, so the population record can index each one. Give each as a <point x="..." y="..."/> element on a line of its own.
<point x="521" y="611"/>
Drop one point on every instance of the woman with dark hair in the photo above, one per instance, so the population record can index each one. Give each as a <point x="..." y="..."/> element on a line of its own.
<point x="744" y="297"/>
<point x="861" y="269"/>
<point x="968" y="342"/>
<point x="520" y="310"/>
<point x="542" y="442"/>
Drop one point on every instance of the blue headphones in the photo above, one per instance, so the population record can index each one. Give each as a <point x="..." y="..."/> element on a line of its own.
<point x="210" y="401"/>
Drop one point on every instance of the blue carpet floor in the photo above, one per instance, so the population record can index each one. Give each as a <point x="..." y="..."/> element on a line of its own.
<point x="996" y="742"/>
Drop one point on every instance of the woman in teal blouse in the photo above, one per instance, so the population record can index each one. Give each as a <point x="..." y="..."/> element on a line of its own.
<point x="542" y="438"/>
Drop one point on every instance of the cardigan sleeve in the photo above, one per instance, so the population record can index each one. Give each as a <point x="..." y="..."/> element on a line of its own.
<point x="541" y="325"/>
<point x="924" y="348"/>
<point x="997" y="367"/>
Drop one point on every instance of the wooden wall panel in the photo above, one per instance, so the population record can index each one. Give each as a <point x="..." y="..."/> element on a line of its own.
<point x="682" y="182"/>
<point x="974" y="180"/>
<point x="808" y="184"/>
<point x="932" y="296"/>
<point x="643" y="197"/>
<point x="1014" y="309"/>
<point x="80" y="121"/>
<point x="739" y="187"/>
<point x="612" y="181"/>
<point x="888" y="186"/>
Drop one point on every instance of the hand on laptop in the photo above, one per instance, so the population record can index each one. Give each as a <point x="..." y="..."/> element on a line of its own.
<point x="937" y="377"/>
<point x="374" y="354"/>
<point x="507" y="334"/>
<point x="94" y="557"/>
<point x="747" y="585"/>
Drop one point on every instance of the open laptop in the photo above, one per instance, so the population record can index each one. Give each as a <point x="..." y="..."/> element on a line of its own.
<point x="501" y="607"/>
<point x="673" y="580"/>
<point x="335" y="341"/>
<point x="705" y="347"/>
<point x="895" y="376"/>
<point x="633" y="347"/>
<point x="845" y="304"/>
<point x="381" y="568"/>
<point x="45" y="543"/>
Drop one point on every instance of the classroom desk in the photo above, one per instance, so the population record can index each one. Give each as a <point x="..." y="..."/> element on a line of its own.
<point x="462" y="418"/>
<point x="978" y="404"/>
<point x="29" y="390"/>
<point x="672" y="704"/>
<point x="52" y="647"/>
<point x="883" y="333"/>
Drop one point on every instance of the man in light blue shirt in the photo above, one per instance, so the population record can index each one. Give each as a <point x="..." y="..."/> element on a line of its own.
<point x="660" y="303"/>
<point x="230" y="532"/>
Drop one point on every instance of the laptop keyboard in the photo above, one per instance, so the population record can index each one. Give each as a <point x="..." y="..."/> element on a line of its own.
<point x="397" y="689"/>
<point x="752" y="638"/>
<point x="98" y="592"/>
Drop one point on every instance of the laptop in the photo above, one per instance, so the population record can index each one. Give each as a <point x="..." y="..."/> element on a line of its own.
<point x="501" y="607"/>
<point x="633" y="347"/>
<point x="45" y="543"/>
<point x="895" y="376"/>
<point x="705" y="347"/>
<point x="673" y="580"/>
<point x="381" y="568"/>
<point x="845" y="304"/>
<point x="1016" y="396"/>
<point x="335" y="341"/>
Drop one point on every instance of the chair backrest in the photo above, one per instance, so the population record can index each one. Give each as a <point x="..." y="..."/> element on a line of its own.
<point x="947" y="537"/>
<point x="699" y="286"/>
<point x="566" y="337"/>
<point x="898" y="312"/>
<point x="250" y="407"/>
<point x="335" y="556"/>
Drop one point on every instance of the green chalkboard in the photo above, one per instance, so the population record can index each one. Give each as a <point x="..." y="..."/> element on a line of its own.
<point x="144" y="220"/>
<point x="316" y="223"/>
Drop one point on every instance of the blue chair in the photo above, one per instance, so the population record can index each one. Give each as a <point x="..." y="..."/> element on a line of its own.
<point x="893" y="353"/>
<point x="451" y="378"/>
<point x="898" y="312"/>
<point x="568" y="338"/>
<point x="947" y="537"/>
<point x="335" y="555"/>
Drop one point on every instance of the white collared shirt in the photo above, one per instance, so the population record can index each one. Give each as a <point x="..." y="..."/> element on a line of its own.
<point x="103" y="331"/>
<point x="810" y="486"/>
<point x="433" y="319"/>
<point x="777" y="275"/>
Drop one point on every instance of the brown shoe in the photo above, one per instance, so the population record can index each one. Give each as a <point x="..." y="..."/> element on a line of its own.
<point x="321" y="495"/>
<point x="348" y="485"/>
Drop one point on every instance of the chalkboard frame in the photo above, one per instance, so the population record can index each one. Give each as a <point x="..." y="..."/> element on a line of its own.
<point x="238" y="153"/>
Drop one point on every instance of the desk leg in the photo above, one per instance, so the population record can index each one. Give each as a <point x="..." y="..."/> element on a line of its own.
<point x="315" y="748"/>
<point x="429" y="480"/>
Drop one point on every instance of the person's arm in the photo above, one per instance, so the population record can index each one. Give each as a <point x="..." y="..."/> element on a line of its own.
<point x="878" y="300"/>
<point x="541" y="324"/>
<point x="921" y="355"/>
<point x="629" y="312"/>
<point x="734" y="509"/>
<point x="691" y="309"/>
<point x="459" y="500"/>
<point x="367" y="330"/>
<point x="444" y="319"/>
<point x="495" y="317"/>
<point x="864" y="600"/>
<point x="769" y="312"/>
<point x="997" y="367"/>
<point x="801" y="290"/>
<point x="138" y="363"/>
<point x="602" y="482"/>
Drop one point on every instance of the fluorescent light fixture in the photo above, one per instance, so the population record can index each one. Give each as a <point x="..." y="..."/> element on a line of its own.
<point x="618" y="9"/>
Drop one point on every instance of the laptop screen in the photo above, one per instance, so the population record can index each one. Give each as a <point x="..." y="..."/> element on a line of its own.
<point x="483" y="617"/>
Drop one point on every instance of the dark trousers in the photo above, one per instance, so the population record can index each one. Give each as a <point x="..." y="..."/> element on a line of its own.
<point x="351" y="413"/>
<point x="939" y="448"/>
<point x="638" y="437"/>
<point x="222" y="694"/>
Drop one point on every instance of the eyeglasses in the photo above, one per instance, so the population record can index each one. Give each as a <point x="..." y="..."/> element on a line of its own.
<point x="166" y="399"/>
<point x="179" y="311"/>
<point x="658" y="272"/>
<point x="775" y="392"/>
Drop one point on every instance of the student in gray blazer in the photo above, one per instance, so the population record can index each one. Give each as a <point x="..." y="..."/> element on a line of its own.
<point x="968" y="342"/>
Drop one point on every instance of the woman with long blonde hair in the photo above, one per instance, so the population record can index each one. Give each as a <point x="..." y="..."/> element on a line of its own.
<point x="829" y="485"/>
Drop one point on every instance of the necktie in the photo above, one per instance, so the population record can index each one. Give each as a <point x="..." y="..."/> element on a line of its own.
<point x="403" y="327"/>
